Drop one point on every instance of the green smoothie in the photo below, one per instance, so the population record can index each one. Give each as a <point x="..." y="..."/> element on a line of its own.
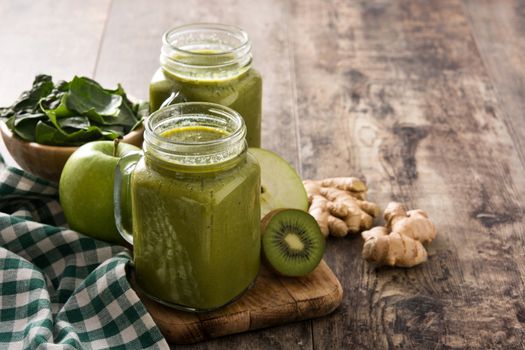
<point x="243" y="93"/>
<point x="196" y="234"/>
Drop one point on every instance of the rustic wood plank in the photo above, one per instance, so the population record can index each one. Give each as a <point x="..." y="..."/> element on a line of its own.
<point x="499" y="31"/>
<point x="130" y="53"/>
<point x="60" y="38"/>
<point x="396" y="91"/>
<point x="43" y="37"/>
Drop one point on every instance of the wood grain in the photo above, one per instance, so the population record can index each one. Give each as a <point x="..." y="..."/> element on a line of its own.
<point x="397" y="92"/>
<point x="60" y="38"/>
<point x="271" y="301"/>
<point x="499" y="32"/>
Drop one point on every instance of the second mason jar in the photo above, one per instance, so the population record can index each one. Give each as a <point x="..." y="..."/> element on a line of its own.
<point x="210" y="63"/>
<point x="194" y="206"/>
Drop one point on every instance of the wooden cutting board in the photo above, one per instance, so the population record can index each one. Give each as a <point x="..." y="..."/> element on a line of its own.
<point x="270" y="302"/>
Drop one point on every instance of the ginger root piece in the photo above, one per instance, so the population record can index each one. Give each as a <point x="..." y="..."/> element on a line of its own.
<point x="400" y="242"/>
<point x="339" y="205"/>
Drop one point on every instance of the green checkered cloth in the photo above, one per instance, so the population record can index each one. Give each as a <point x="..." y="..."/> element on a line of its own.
<point x="58" y="288"/>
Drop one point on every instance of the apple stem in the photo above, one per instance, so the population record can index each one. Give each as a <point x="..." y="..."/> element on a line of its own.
<point x="115" y="145"/>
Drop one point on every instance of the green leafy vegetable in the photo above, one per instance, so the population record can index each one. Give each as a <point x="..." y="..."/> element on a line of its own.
<point x="42" y="86"/>
<point x="72" y="113"/>
<point x="78" y="123"/>
<point x="23" y="125"/>
<point x="88" y="97"/>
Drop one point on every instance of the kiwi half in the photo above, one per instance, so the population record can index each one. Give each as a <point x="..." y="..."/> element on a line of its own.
<point x="292" y="242"/>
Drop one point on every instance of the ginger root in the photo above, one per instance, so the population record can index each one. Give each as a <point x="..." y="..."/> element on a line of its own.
<point x="400" y="242"/>
<point x="339" y="205"/>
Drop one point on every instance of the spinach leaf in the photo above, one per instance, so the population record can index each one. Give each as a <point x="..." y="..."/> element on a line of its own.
<point x="4" y="112"/>
<point x="142" y="110"/>
<point x="86" y="96"/>
<point x="52" y="118"/>
<point x="42" y="86"/>
<point x="24" y="125"/>
<point x="59" y="106"/>
<point x="78" y="122"/>
<point x="48" y="135"/>
<point x="125" y="117"/>
<point x="110" y="130"/>
<point x="28" y="100"/>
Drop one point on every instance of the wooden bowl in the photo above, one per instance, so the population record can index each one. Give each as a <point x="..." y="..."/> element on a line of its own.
<point x="48" y="161"/>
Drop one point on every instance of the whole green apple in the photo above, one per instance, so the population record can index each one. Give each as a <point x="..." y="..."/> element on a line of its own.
<point x="86" y="189"/>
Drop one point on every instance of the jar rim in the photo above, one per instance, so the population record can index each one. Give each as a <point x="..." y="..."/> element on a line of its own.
<point x="206" y="51"/>
<point x="195" y="152"/>
<point x="207" y="26"/>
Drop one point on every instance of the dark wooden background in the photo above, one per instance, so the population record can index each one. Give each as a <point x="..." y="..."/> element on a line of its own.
<point x="424" y="99"/>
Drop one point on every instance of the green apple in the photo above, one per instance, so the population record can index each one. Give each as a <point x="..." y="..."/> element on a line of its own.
<point x="281" y="186"/>
<point x="86" y="189"/>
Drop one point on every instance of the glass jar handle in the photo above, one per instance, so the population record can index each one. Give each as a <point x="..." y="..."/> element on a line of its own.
<point x="174" y="97"/>
<point x="122" y="194"/>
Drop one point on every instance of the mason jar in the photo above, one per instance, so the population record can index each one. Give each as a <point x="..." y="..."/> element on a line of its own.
<point x="211" y="63"/>
<point x="195" y="211"/>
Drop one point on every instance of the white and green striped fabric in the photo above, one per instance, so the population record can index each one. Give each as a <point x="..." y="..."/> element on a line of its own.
<point x="60" y="289"/>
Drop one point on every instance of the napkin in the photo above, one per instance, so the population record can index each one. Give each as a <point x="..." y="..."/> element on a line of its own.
<point x="60" y="289"/>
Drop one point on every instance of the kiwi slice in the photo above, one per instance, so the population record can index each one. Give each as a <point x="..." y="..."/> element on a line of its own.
<point x="292" y="242"/>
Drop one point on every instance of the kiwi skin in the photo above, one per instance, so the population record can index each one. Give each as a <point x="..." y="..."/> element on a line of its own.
<point x="266" y="219"/>
<point x="264" y="224"/>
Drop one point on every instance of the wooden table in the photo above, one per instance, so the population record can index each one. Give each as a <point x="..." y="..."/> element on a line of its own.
<point x="424" y="99"/>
